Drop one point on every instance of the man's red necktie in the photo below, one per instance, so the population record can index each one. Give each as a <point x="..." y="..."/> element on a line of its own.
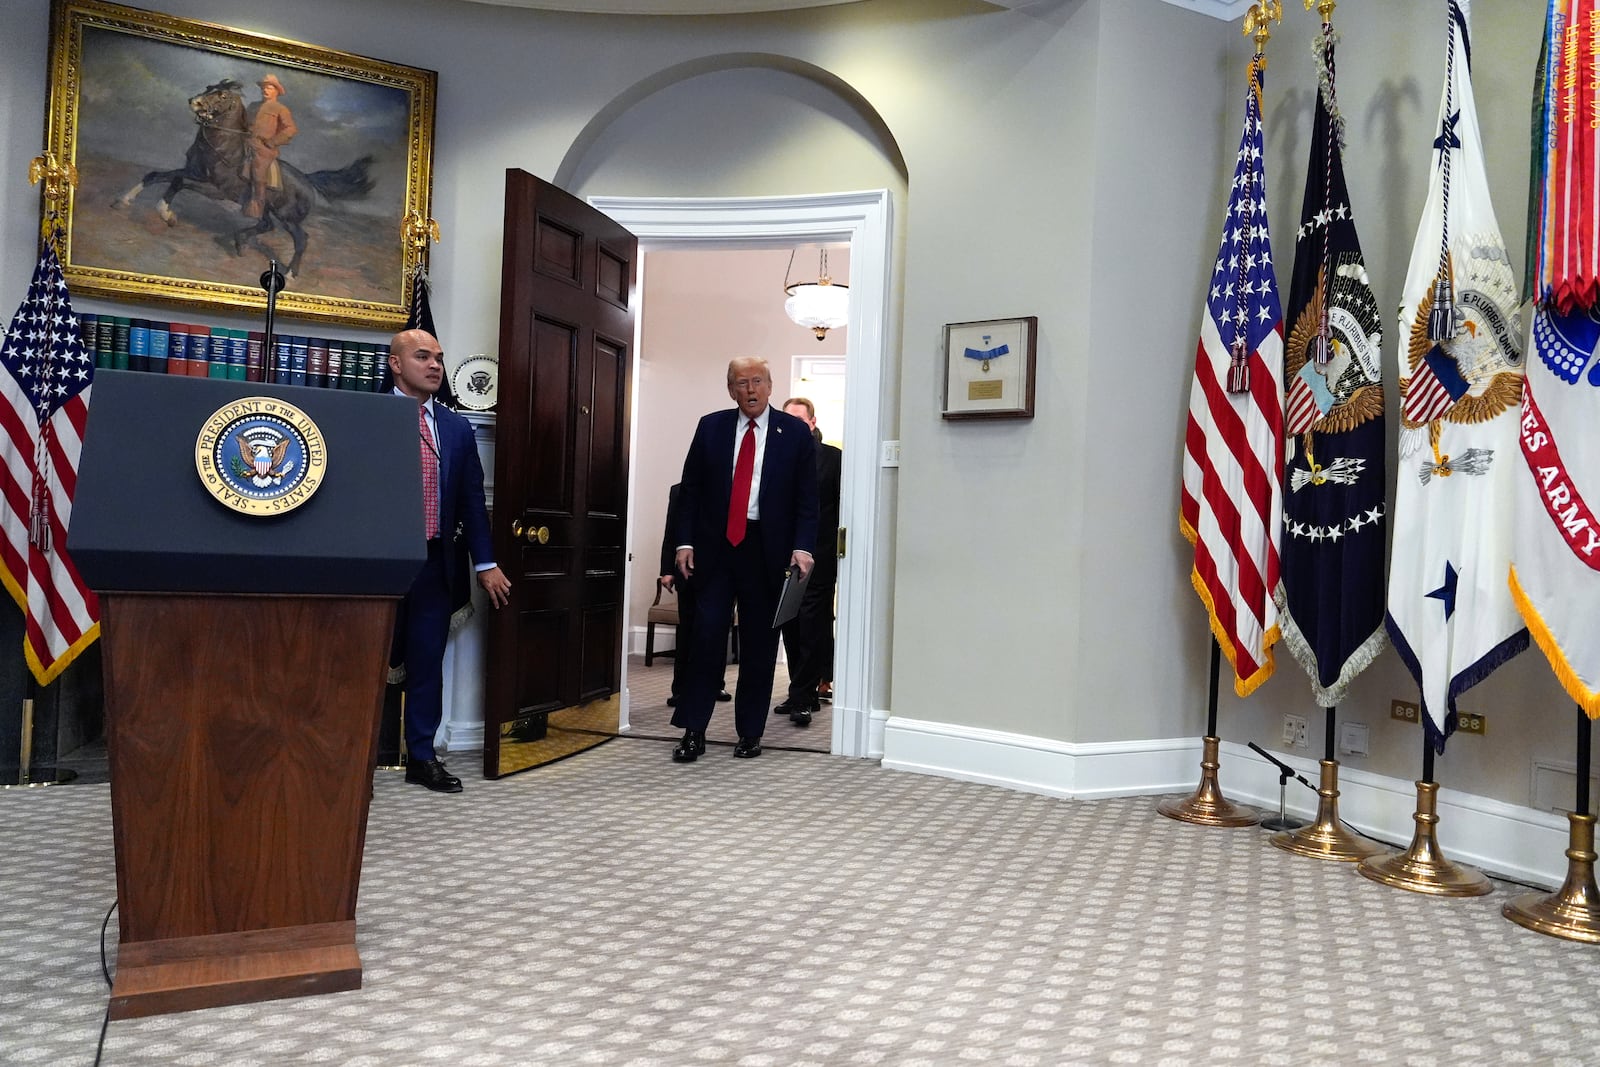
<point x="430" y="476"/>
<point x="744" y="471"/>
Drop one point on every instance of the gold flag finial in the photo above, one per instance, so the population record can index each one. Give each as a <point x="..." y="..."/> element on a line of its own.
<point x="1324" y="9"/>
<point x="417" y="231"/>
<point x="1258" y="20"/>
<point x="59" y="178"/>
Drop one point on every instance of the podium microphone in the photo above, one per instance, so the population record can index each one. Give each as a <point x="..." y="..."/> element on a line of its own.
<point x="273" y="281"/>
<point x="1282" y="820"/>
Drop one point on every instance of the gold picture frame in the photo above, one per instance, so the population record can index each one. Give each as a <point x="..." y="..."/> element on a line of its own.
<point x="989" y="368"/>
<point x="155" y="113"/>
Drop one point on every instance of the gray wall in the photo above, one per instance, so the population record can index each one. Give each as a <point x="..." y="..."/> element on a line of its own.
<point x="1069" y="162"/>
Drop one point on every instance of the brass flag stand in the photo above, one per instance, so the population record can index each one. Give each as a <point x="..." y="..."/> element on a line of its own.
<point x="1422" y="868"/>
<point x="1206" y="806"/>
<point x="1326" y="838"/>
<point x="1573" y="913"/>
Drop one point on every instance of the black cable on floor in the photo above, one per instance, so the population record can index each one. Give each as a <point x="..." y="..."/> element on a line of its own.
<point x="105" y="970"/>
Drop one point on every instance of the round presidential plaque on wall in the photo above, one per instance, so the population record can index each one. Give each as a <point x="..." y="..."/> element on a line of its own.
<point x="476" y="382"/>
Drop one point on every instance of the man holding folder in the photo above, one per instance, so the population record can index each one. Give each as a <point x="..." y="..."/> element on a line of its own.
<point x="748" y="511"/>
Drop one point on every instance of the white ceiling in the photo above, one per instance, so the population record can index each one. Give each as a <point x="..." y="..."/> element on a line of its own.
<point x="1222" y="9"/>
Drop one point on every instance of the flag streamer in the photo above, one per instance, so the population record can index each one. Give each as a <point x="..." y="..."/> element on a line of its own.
<point x="1554" y="576"/>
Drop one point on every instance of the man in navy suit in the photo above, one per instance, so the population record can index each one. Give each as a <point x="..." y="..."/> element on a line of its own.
<point x="748" y="510"/>
<point x="452" y="490"/>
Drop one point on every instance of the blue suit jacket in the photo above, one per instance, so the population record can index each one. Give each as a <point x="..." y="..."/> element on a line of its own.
<point x="461" y="502"/>
<point x="788" y="495"/>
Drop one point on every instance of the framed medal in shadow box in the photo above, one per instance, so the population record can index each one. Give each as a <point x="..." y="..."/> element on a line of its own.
<point x="989" y="368"/>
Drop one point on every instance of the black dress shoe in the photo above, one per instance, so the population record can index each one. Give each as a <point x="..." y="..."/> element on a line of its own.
<point x="691" y="748"/>
<point x="747" y="748"/>
<point x="800" y="716"/>
<point x="431" y="774"/>
<point x="724" y="696"/>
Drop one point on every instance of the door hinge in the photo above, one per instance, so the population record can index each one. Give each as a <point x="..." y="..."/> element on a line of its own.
<point x="839" y="547"/>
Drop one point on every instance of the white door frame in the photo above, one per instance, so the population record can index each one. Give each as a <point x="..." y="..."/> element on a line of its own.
<point x="865" y="220"/>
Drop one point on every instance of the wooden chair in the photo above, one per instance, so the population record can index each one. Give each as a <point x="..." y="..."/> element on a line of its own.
<point x="659" y="613"/>
<point x="667" y="614"/>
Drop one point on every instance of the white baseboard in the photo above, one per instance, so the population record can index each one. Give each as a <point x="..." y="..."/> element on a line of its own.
<point x="463" y="738"/>
<point x="1506" y="839"/>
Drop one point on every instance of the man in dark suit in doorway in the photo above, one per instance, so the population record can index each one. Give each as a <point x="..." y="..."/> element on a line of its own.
<point x="748" y="511"/>
<point x="684" y="637"/>
<point x="808" y="637"/>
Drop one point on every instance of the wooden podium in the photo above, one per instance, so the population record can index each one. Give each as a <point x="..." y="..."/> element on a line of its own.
<point x="245" y="658"/>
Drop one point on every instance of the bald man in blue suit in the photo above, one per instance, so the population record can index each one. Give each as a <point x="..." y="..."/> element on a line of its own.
<point x="423" y="625"/>
<point x="739" y="555"/>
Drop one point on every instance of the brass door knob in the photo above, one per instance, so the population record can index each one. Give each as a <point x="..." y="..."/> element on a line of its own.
<point x="534" y="535"/>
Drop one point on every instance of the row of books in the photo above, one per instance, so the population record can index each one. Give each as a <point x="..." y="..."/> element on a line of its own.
<point x="121" y="343"/>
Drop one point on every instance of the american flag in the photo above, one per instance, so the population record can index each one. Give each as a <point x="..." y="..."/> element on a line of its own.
<point x="1232" y="506"/>
<point x="44" y="404"/>
<point x="1433" y="389"/>
<point x="1308" y="400"/>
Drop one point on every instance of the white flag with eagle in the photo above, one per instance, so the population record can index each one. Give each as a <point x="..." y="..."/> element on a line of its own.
<point x="1450" y="612"/>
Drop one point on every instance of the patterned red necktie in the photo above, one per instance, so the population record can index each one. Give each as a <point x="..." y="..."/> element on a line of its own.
<point x="430" y="476"/>
<point x="744" y="471"/>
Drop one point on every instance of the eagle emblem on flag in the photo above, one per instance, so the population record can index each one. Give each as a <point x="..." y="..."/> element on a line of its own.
<point x="1460" y="359"/>
<point x="1330" y="597"/>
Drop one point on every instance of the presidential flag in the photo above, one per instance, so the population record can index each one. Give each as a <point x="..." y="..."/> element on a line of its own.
<point x="1555" y="572"/>
<point x="44" y="404"/>
<point x="1450" y="613"/>
<point x="1232" y="503"/>
<point x="1331" y="595"/>
<point x="419" y="316"/>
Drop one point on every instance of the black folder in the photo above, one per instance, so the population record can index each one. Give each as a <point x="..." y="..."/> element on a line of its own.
<point x="794" y="588"/>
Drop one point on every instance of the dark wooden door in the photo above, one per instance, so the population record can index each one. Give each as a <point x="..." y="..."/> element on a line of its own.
<point x="561" y="477"/>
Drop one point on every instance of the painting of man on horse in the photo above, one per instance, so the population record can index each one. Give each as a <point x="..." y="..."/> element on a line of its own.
<point x="321" y="189"/>
<point x="235" y="158"/>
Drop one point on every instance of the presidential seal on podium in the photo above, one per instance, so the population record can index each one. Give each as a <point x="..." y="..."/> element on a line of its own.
<point x="260" y="456"/>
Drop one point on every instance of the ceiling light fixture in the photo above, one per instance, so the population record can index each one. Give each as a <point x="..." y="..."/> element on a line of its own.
<point x="819" y="306"/>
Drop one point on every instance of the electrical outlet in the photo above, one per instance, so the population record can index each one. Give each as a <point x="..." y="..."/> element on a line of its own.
<point x="1294" y="731"/>
<point x="1472" y="724"/>
<point x="1405" y="711"/>
<point x="891" y="454"/>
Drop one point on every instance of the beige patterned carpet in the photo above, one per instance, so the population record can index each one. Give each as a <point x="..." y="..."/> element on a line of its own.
<point x="617" y="908"/>
<point x="649" y="716"/>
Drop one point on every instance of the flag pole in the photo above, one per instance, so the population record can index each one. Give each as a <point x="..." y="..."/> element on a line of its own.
<point x="1326" y="838"/>
<point x="58" y="179"/>
<point x="1573" y="913"/>
<point x="1206" y="806"/>
<point x="29" y="776"/>
<point x="1422" y="868"/>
